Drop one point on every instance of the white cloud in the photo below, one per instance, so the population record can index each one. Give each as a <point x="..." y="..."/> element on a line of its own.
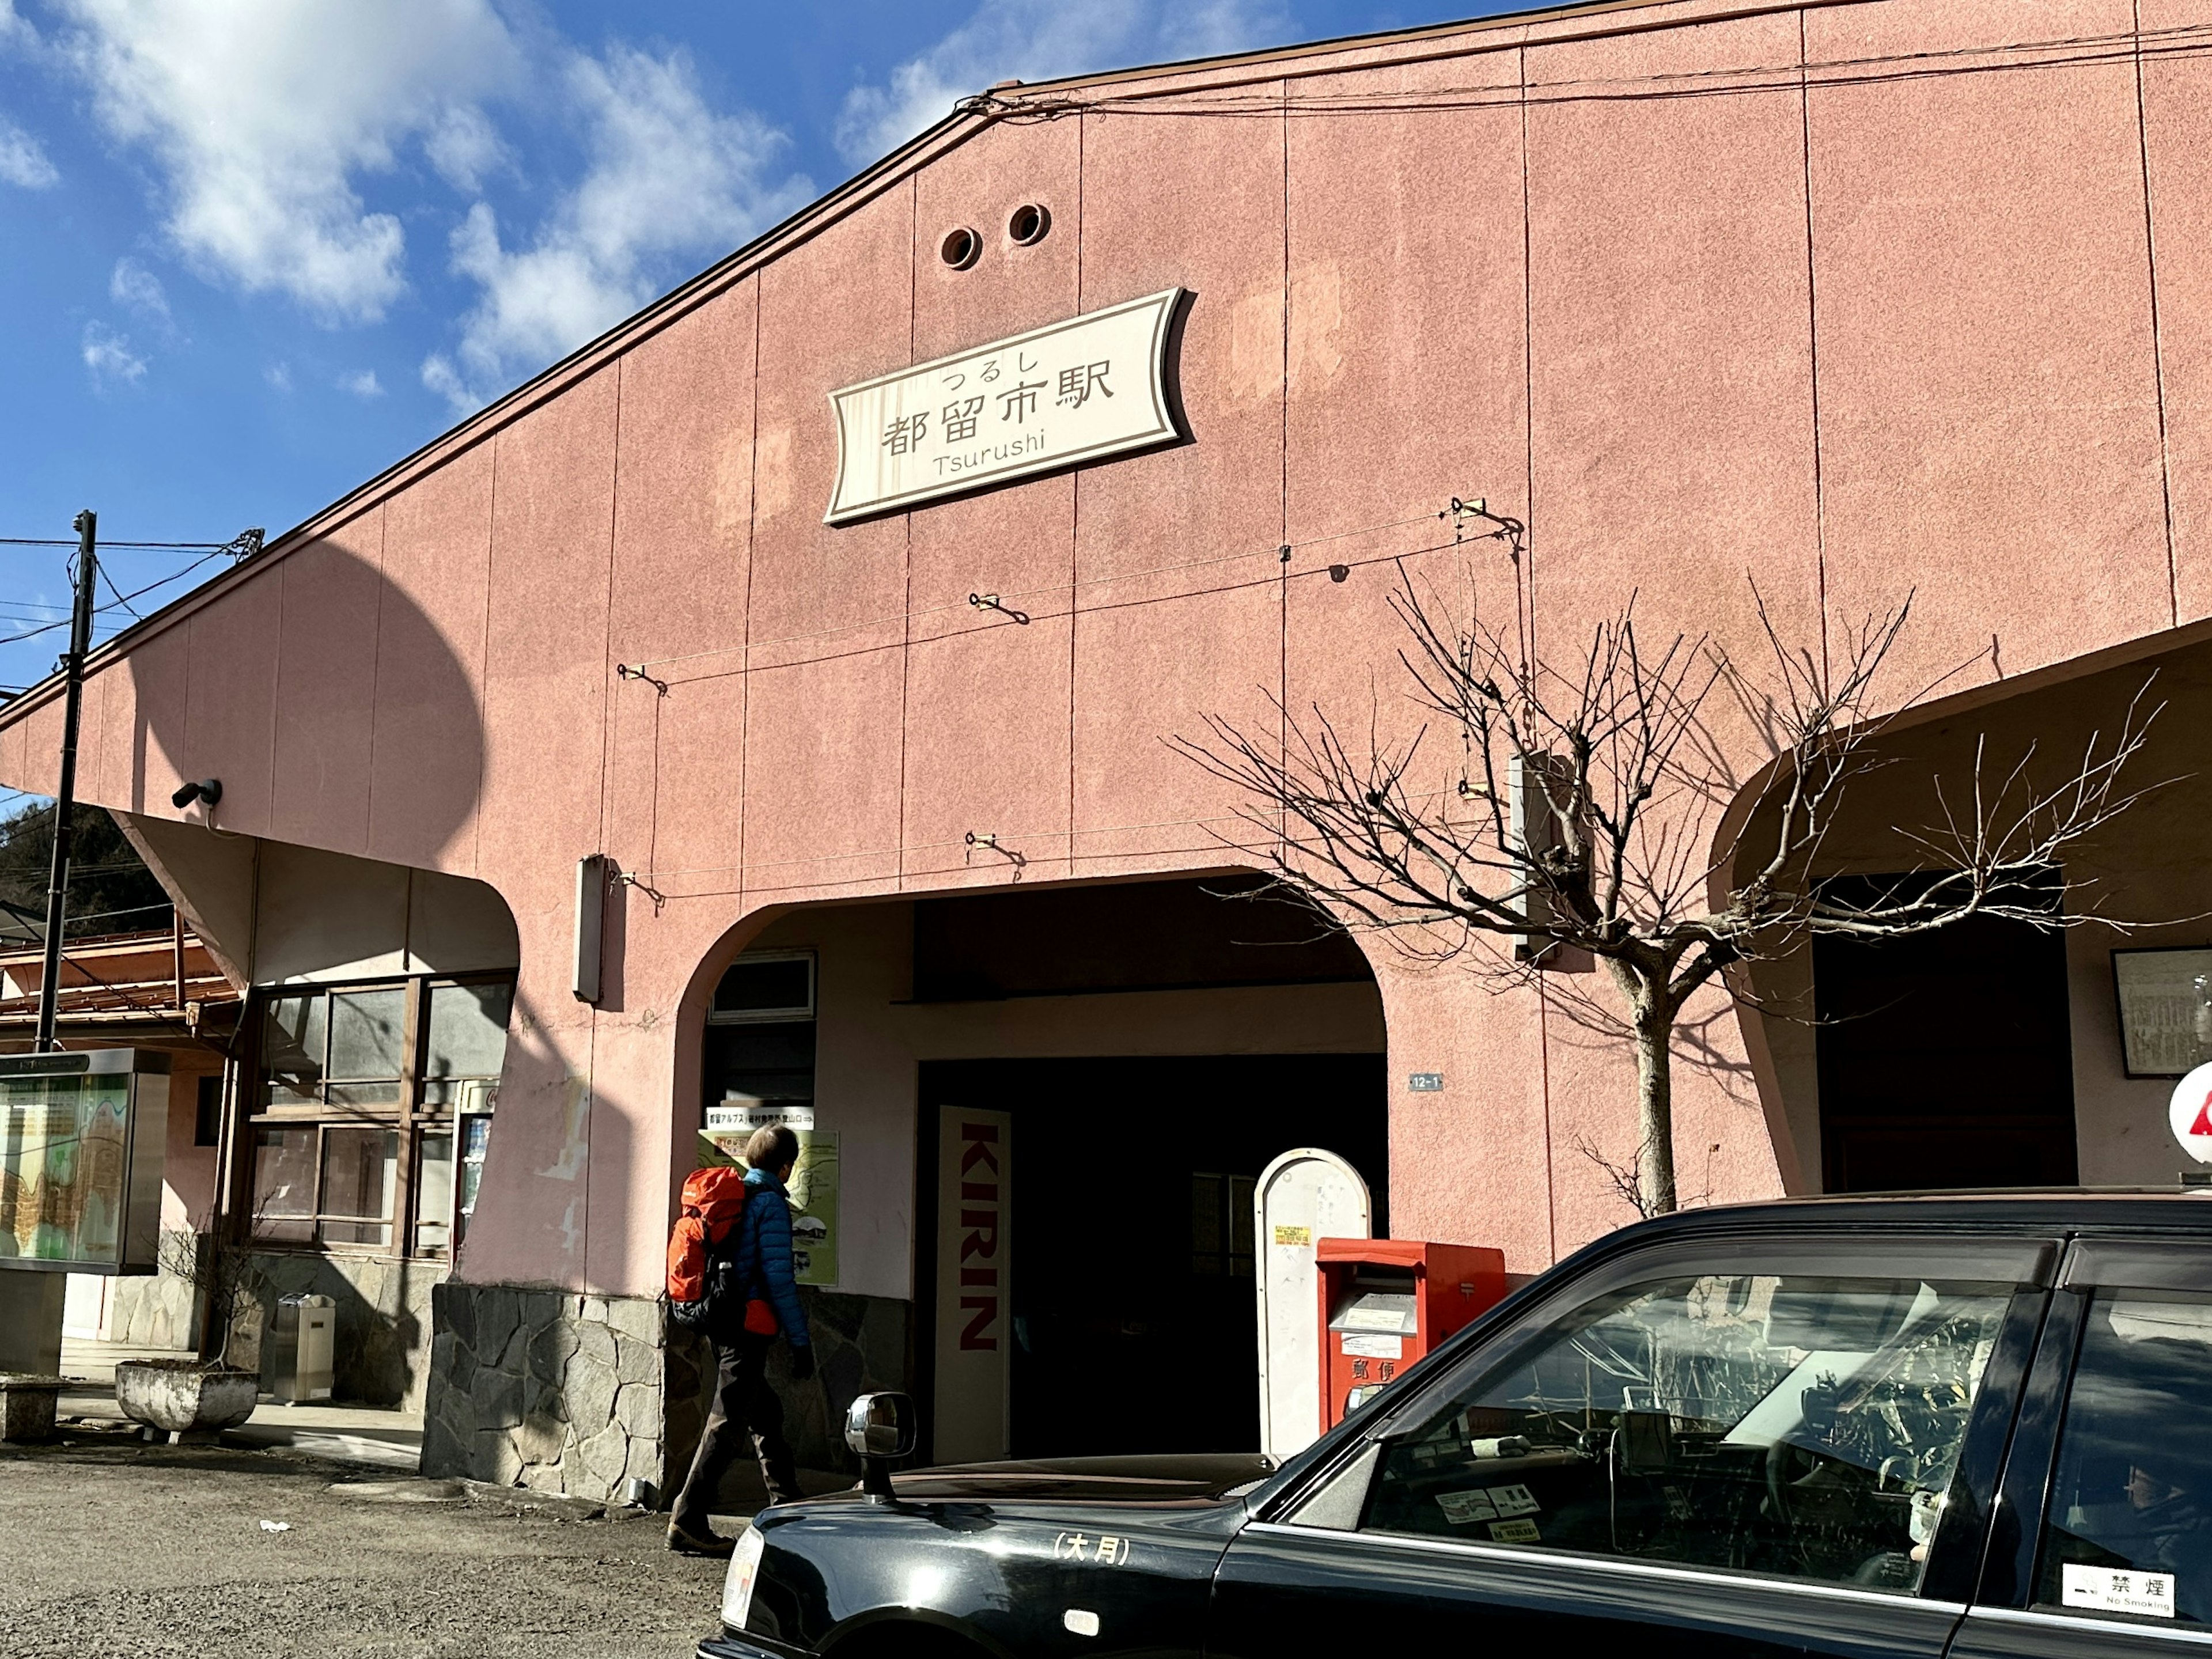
<point x="667" y="180"/>
<point x="108" y="356"/>
<point x="262" y="113"/>
<point x="134" y="286"/>
<point x="465" y="147"/>
<point x="362" y="384"/>
<point x="279" y="376"/>
<point x="14" y="29"/>
<point x="440" y="375"/>
<point x="1039" y="40"/>
<point x="22" y="161"/>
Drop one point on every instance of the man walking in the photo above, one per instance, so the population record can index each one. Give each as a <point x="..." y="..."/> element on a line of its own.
<point x="745" y="1325"/>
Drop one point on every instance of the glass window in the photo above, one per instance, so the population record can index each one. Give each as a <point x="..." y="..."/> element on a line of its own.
<point x="284" y="1182"/>
<point x="368" y="1029"/>
<point x="434" y="1194"/>
<point x="359" y="1170"/>
<point x="2129" y="1528"/>
<point x="772" y="1063"/>
<point x="1798" y="1426"/>
<point x="475" y="1140"/>
<point x="768" y="986"/>
<point x="1221" y="1225"/>
<point x="337" y="1064"/>
<point x="292" y="1048"/>
<point x="207" y="1110"/>
<point x="468" y="1031"/>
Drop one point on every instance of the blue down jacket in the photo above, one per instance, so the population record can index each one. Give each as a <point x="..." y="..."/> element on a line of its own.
<point x="763" y="1262"/>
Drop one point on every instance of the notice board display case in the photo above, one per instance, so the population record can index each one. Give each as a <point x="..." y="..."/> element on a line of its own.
<point x="81" y="1141"/>
<point x="2165" y="997"/>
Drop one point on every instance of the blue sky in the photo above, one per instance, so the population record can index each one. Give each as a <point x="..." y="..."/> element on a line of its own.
<point x="251" y="251"/>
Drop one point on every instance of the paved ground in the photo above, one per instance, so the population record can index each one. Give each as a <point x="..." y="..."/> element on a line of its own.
<point x="114" y="1548"/>
<point x="354" y="1434"/>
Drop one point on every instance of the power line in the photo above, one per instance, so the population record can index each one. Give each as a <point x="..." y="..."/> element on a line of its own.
<point x="147" y="547"/>
<point x="37" y="922"/>
<point x="1238" y="101"/>
<point x="121" y="601"/>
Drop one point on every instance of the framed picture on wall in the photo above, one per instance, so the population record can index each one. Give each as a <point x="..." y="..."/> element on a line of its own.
<point x="2165" y="997"/>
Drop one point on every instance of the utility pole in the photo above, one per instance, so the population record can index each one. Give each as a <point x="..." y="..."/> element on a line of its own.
<point x="88" y="571"/>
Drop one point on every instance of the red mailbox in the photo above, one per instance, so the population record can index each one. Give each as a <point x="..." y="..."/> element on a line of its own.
<point x="1386" y="1301"/>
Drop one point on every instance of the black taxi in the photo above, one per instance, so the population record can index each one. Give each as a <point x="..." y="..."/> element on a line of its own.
<point x="1978" y="1426"/>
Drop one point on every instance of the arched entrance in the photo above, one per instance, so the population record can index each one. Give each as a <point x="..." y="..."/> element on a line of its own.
<point x="1075" y="1275"/>
<point x="1994" y="1053"/>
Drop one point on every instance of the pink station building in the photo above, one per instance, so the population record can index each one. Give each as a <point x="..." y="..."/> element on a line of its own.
<point x="674" y="736"/>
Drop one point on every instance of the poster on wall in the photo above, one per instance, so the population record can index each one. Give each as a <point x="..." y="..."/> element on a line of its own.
<point x="80" y="1189"/>
<point x="974" y="1302"/>
<point x="814" y="1179"/>
<point x="2165" y="1010"/>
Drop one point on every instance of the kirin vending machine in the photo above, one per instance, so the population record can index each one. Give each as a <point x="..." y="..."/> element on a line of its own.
<point x="1386" y="1301"/>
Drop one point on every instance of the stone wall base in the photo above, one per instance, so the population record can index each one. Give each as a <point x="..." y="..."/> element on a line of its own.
<point x="546" y="1389"/>
<point x="581" y="1394"/>
<point x="161" y="1310"/>
<point x="862" y="1344"/>
<point x="382" y="1353"/>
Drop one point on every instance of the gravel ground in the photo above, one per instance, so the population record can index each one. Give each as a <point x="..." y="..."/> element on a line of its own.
<point x="118" y="1549"/>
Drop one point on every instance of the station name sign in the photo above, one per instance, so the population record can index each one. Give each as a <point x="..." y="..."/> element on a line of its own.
<point x="1092" y="387"/>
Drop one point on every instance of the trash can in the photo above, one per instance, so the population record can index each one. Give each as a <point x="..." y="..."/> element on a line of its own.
<point x="302" y="1344"/>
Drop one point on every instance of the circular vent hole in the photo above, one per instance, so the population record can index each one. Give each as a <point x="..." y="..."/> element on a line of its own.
<point x="960" y="247"/>
<point x="1029" y="224"/>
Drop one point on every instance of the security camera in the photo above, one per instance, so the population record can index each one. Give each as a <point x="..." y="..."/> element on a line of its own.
<point x="207" y="789"/>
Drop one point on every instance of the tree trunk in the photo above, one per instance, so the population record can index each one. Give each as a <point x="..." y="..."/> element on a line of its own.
<point x="1655" y="1093"/>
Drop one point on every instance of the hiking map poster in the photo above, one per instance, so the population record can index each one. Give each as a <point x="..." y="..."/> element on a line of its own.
<point x="813" y="1188"/>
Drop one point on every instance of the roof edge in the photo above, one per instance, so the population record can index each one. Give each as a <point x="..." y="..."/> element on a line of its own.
<point x="968" y="119"/>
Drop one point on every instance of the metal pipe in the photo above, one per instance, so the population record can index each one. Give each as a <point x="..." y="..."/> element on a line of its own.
<point x="65" y="796"/>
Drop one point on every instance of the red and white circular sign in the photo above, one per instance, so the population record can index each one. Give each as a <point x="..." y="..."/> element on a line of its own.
<point x="2191" y="1113"/>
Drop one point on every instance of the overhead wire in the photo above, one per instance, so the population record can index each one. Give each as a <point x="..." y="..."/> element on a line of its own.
<point x="2181" y="40"/>
<point x="656" y="877"/>
<point x="117" y="592"/>
<point x="144" y="547"/>
<point x="2185" y="41"/>
<point x="121" y="601"/>
<point x="1273" y="550"/>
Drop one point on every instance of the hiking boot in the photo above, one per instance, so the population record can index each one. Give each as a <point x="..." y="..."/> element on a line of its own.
<point x="686" y="1542"/>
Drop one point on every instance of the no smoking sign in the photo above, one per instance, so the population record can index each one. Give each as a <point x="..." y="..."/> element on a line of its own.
<point x="2191" y="1113"/>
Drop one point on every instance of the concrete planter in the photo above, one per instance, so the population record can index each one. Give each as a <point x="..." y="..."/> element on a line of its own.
<point x="178" y="1397"/>
<point x="27" y="1407"/>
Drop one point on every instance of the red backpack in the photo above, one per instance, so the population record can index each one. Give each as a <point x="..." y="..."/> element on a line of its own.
<point x="711" y="1202"/>
<point x="701" y="1270"/>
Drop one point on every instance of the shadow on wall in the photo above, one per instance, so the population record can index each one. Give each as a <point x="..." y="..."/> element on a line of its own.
<point x="552" y="1207"/>
<point x="382" y="1353"/>
<point x="357" y="655"/>
<point x="162" y="1310"/>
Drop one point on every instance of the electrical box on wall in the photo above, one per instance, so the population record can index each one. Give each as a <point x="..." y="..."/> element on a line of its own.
<point x="1387" y="1302"/>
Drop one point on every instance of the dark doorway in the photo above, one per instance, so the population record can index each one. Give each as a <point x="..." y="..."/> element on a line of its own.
<point x="1126" y="936"/>
<point x="1133" y="1310"/>
<point x="1945" y="1060"/>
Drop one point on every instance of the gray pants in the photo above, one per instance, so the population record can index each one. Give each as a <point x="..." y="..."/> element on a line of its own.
<point x="745" y="1407"/>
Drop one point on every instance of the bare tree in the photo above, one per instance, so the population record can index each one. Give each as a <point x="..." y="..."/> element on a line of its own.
<point x="1592" y="803"/>
<point x="226" y="1279"/>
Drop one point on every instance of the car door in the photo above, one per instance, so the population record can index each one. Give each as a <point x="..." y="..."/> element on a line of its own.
<point x="2102" y="1544"/>
<point x="1762" y="1445"/>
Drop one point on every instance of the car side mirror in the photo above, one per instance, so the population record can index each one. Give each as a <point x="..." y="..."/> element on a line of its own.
<point x="880" y="1430"/>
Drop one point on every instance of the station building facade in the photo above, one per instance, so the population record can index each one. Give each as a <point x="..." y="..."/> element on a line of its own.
<point x="1838" y="301"/>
